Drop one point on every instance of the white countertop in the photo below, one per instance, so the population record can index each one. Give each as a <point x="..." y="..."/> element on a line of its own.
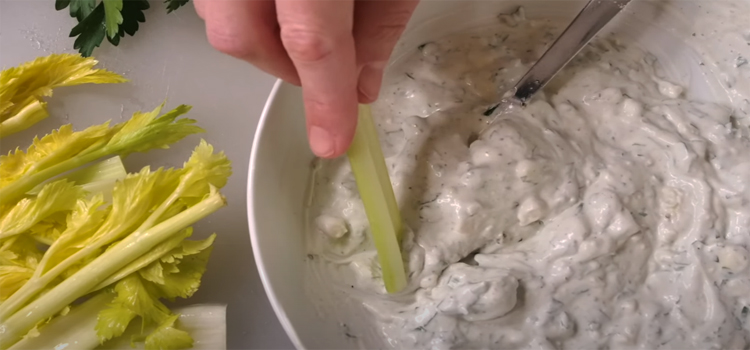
<point x="169" y="58"/>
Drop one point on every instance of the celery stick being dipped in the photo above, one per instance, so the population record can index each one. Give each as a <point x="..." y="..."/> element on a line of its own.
<point x="374" y="184"/>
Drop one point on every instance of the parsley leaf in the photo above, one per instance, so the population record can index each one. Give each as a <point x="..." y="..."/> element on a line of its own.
<point x="132" y="11"/>
<point x="174" y="4"/>
<point x="112" y="16"/>
<point x="61" y="4"/>
<point x="132" y="15"/>
<point x="79" y="9"/>
<point x="90" y="32"/>
<point x="111" y="19"/>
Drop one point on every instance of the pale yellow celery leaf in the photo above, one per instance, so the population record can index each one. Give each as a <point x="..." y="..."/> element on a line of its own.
<point x="145" y="131"/>
<point x="87" y="216"/>
<point x="12" y="278"/>
<point x="160" y="133"/>
<point x="185" y="283"/>
<point x="106" y="264"/>
<point x="166" y="184"/>
<point x="25" y="118"/>
<point x="48" y="152"/>
<point x="137" y="121"/>
<point x="53" y="198"/>
<point x="178" y="273"/>
<point x="158" y="252"/>
<point x="153" y="272"/>
<point x="48" y="230"/>
<point x="57" y="146"/>
<point x="132" y="200"/>
<point x="205" y="168"/>
<point x="136" y="295"/>
<point x="113" y="321"/>
<point x="5" y="103"/>
<point x="205" y="323"/>
<point x="216" y="166"/>
<point x="133" y="295"/>
<point x="203" y="171"/>
<point x="168" y="337"/>
<point x="6" y="92"/>
<point x="39" y="77"/>
<point x="46" y="237"/>
<point x="33" y="333"/>
<point x="20" y="251"/>
<point x="187" y="248"/>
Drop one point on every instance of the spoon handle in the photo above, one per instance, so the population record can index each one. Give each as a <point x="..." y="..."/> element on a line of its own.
<point x="585" y="26"/>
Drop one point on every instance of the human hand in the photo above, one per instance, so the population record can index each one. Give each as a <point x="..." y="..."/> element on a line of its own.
<point x="335" y="49"/>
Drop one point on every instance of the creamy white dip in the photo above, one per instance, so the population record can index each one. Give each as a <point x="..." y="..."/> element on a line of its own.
<point x="612" y="212"/>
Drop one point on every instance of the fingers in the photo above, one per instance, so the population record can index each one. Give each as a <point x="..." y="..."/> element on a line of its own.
<point x="378" y="27"/>
<point x="317" y="35"/>
<point x="247" y="29"/>
<point x="200" y="6"/>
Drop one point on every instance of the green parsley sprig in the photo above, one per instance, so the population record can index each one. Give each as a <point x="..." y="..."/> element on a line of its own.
<point x="111" y="19"/>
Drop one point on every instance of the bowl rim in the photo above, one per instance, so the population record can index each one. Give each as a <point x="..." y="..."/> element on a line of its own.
<point x="251" y="220"/>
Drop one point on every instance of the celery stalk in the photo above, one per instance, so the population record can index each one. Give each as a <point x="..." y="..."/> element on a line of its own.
<point x="111" y="168"/>
<point x="76" y="329"/>
<point x="98" y="177"/>
<point x="25" y="118"/>
<point x="142" y="133"/>
<point x="206" y="324"/>
<point x="368" y="165"/>
<point x="109" y="262"/>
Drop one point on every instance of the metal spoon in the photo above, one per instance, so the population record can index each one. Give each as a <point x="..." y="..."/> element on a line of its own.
<point x="594" y="16"/>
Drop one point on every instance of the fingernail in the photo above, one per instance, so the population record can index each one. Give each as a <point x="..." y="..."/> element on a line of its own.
<point x="369" y="81"/>
<point x="321" y="142"/>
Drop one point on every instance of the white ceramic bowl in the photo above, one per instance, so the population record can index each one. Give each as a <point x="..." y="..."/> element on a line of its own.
<point x="281" y="161"/>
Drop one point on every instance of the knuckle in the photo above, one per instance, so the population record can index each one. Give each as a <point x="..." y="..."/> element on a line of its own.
<point x="306" y="45"/>
<point x="231" y="43"/>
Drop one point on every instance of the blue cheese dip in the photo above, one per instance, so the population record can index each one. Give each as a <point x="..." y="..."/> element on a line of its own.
<point x="612" y="212"/>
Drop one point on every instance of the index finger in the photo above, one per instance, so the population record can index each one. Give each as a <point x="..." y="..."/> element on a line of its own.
<point x="317" y="35"/>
